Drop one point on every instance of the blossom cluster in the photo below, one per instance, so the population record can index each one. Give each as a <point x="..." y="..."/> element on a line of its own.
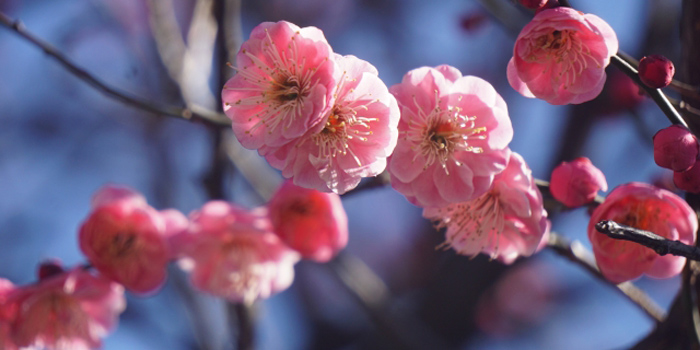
<point x="232" y="252"/>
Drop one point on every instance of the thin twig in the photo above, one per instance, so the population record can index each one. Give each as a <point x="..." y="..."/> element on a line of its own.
<point x="659" y="244"/>
<point x="211" y="118"/>
<point x="657" y="95"/>
<point x="577" y="253"/>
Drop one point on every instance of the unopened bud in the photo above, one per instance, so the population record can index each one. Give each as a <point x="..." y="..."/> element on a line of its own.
<point x="675" y="148"/>
<point x="656" y="71"/>
<point x="577" y="182"/>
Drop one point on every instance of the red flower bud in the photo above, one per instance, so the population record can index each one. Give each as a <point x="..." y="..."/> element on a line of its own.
<point x="577" y="182"/>
<point x="656" y="71"/>
<point x="675" y="148"/>
<point x="49" y="268"/>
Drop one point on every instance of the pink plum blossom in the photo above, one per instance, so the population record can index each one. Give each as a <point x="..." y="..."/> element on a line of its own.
<point x="126" y="239"/>
<point x="506" y="222"/>
<point x="561" y="55"/>
<point x="311" y="222"/>
<point x="354" y="141"/>
<point x="232" y="252"/>
<point x="675" y="148"/>
<point x="648" y="208"/>
<point x="453" y="137"/>
<point x="69" y="310"/>
<point x="577" y="182"/>
<point x="284" y="84"/>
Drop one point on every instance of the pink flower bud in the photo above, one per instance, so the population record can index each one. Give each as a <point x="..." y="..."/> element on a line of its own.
<point x="675" y="148"/>
<point x="311" y="222"/>
<point x="656" y="71"/>
<point x="577" y="182"/>
<point x="648" y="208"/>
<point x="688" y="180"/>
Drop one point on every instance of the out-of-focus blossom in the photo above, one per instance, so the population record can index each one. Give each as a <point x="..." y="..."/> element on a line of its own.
<point x="473" y="21"/>
<point x="453" y="137"/>
<point x="284" y="84"/>
<point x="70" y="310"/>
<point x="311" y="222"/>
<point x="622" y="92"/>
<point x="533" y="4"/>
<point x="520" y="300"/>
<point x="688" y="180"/>
<point x="126" y="239"/>
<point x="358" y="135"/>
<point x="675" y="148"/>
<point x="506" y="222"/>
<point x="7" y="315"/>
<point x="648" y="208"/>
<point x="561" y="55"/>
<point x="232" y="252"/>
<point x="577" y="182"/>
<point x="656" y="71"/>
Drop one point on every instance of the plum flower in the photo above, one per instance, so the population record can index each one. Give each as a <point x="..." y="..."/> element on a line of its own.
<point x="126" y="239"/>
<point x="506" y="222"/>
<point x="311" y="222"/>
<point x="648" y="208"/>
<point x="283" y="87"/>
<point x="68" y="310"/>
<point x="358" y="135"/>
<point x="561" y="55"/>
<point x="453" y="137"/>
<point x="232" y="252"/>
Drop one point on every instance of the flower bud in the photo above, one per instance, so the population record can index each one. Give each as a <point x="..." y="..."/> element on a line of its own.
<point x="577" y="182"/>
<point x="688" y="180"/>
<point x="675" y="148"/>
<point x="311" y="222"/>
<point x="656" y="71"/>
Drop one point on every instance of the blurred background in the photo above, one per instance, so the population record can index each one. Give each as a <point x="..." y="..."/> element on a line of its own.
<point x="60" y="140"/>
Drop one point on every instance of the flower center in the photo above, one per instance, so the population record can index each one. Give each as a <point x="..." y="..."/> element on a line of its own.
<point x="278" y="86"/>
<point x="344" y="126"/>
<point x="563" y="53"/>
<point x="438" y="134"/>
<point x="122" y="244"/>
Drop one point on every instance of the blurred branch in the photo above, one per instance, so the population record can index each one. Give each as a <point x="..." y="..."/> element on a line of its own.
<point x="371" y="292"/>
<point x="659" y="244"/>
<point x="195" y="113"/>
<point x="577" y="253"/>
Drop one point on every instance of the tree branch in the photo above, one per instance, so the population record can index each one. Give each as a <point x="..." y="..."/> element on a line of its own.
<point x="656" y="94"/>
<point x="659" y="244"/>
<point x="195" y="113"/>
<point x="578" y="254"/>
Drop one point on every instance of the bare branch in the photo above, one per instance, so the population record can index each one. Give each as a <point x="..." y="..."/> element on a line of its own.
<point x="659" y="244"/>
<point x="211" y="118"/>
<point x="656" y="94"/>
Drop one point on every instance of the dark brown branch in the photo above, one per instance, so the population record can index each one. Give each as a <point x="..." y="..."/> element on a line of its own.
<point x="578" y="254"/>
<point x="657" y="95"/>
<point x="206" y="116"/>
<point x="659" y="244"/>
